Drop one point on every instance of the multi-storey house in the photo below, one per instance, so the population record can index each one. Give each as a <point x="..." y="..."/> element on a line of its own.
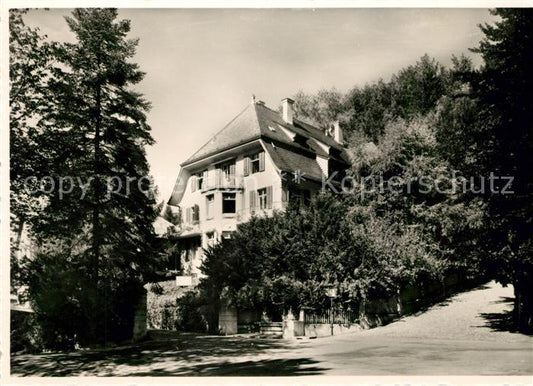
<point x="255" y="165"/>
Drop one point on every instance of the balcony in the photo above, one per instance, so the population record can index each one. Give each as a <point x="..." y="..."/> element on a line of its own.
<point x="222" y="182"/>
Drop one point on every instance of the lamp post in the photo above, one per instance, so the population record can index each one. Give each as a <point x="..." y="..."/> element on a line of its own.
<point x="331" y="293"/>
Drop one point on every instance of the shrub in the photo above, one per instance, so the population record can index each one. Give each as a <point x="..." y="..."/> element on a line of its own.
<point x="189" y="316"/>
<point x="289" y="260"/>
<point x="162" y="306"/>
<point x="176" y="308"/>
<point x="25" y="335"/>
<point x="71" y="310"/>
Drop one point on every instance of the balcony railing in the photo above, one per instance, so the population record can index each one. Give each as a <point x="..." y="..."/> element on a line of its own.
<point x="222" y="182"/>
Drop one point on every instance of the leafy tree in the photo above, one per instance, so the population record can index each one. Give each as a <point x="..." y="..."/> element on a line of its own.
<point x="288" y="261"/>
<point x="29" y="69"/>
<point x="414" y="188"/>
<point x="416" y="89"/>
<point x="321" y="109"/>
<point x="504" y="147"/>
<point x="370" y="106"/>
<point x="285" y="261"/>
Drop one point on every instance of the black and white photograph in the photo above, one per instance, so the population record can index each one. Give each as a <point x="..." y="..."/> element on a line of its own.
<point x="267" y="192"/>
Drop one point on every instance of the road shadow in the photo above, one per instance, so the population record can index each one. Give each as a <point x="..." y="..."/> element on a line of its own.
<point x="171" y="355"/>
<point x="503" y="300"/>
<point x="500" y="321"/>
<point x="270" y="367"/>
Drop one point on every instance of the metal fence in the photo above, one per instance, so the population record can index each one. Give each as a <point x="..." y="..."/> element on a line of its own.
<point x="345" y="317"/>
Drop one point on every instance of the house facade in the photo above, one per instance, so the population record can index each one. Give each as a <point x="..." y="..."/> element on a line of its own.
<point x="258" y="163"/>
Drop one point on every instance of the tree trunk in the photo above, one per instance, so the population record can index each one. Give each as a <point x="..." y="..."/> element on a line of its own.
<point x="96" y="325"/>
<point x="523" y="307"/>
<point x="97" y="187"/>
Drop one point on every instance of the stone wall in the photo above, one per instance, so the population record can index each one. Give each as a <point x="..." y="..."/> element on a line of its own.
<point x="322" y="329"/>
<point x="299" y="328"/>
<point x="227" y="320"/>
<point x="139" y="319"/>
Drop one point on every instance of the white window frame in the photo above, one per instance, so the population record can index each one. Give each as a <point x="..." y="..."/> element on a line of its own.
<point x="254" y="163"/>
<point x="262" y="199"/>
<point x="235" y="203"/>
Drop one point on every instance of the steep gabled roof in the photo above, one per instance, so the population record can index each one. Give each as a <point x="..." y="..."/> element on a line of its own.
<point x="258" y="121"/>
<point x="243" y="128"/>
<point x="292" y="147"/>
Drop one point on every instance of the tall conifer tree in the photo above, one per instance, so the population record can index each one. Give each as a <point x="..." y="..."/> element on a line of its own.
<point x="101" y="204"/>
<point x="505" y="148"/>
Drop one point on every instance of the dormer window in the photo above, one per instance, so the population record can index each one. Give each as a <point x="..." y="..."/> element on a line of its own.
<point x="301" y="140"/>
<point x="335" y="152"/>
<point x="287" y="132"/>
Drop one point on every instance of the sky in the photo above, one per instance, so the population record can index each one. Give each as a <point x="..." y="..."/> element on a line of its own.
<point x="203" y="65"/>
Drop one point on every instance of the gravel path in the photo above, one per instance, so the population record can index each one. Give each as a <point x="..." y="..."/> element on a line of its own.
<point x="464" y="316"/>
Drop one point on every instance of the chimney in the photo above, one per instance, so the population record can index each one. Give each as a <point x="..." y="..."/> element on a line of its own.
<point x="287" y="110"/>
<point x="338" y="135"/>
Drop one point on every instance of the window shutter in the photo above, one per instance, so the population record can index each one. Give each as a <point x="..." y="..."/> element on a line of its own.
<point x="188" y="215"/>
<point x="246" y="166"/>
<point x="284" y="195"/>
<point x="193" y="183"/>
<point x="218" y="177"/>
<point x="205" y="182"/>
<point x="252" y="201"/>
<point x="269" y="197"/>
<point x="262" y="161"/>
<point x="232" y="170"/>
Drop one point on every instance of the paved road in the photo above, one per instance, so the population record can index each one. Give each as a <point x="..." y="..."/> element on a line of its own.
<point x="466" y="335"/>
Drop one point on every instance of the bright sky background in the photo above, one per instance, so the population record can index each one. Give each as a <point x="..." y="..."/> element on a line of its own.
<point x="202" y="66"/>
